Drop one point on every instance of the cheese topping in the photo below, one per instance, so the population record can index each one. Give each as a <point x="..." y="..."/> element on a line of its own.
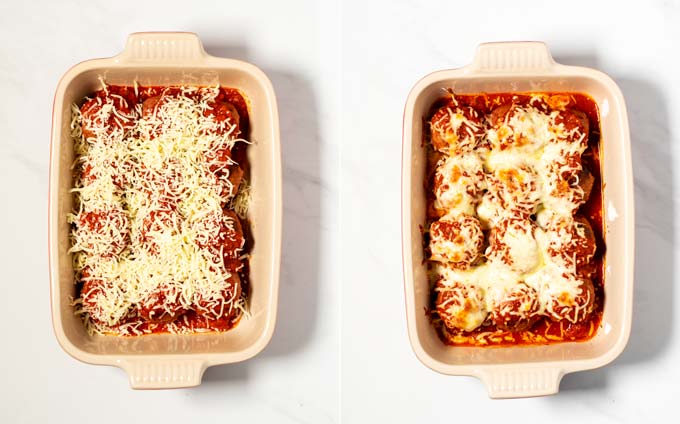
<point x="529" y="165"/>
<point x="150" y="207"/>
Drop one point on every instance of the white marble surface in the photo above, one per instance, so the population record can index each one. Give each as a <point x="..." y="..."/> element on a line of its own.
<point x="342" y="71"/>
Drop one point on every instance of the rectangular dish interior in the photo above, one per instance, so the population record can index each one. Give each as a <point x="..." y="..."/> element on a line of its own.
<point x="612" y="328"/>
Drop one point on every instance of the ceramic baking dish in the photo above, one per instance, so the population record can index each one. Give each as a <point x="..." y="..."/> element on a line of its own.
<point x="164" y="360"/>
<point x="530" y="370"/>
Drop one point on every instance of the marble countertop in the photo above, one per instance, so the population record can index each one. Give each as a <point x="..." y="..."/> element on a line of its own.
<point x="341" y="71"/>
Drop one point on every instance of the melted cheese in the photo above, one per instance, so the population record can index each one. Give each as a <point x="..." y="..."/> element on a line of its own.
<point x="462" y="182"/>
<point x="458" y="133"/>
<point x="515" y="247"/>
<point x="461" y="244"/>
<point x="463" y="305"/>
<point x="135" y="171"/>
<point x="525" y="167"/>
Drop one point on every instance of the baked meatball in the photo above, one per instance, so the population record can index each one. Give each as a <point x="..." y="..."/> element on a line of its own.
<point x="155" y="225"/>
<point x="456" y="240"/>
<point x="164" y="304"/>
<point x="456" y="129"/>
<point x="513" y="244"/>
<point x="489" y="210"/>
<point x="460" y="306"/>
<point x="458" y="183"/>
<point x="221" y="303"/>
<point x="515" y="308"/>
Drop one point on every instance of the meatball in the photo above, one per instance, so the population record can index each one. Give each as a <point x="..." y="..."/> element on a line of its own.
<point x="586" y="181"/>
<point x="219" y="158"/>
<point x="489" y="210"/>
<point x="225" y="116"/>
<point x="512" y="243"/>
<point x="156" y="225"/>
<point x="164" y="304"/>
<point x="458" y="183"/>
<point x="517" y="189"/>
<point x="498" y="116"/>
<point x="456" y="240"/>
<point x="514" y="126"/>
<point x="207" y="230"/>
<point x="102" y="301"/>
<point x="456" y="129"/>
<point x="222" y="234"/>
<point x="219" y="304"/>
<point x="89" y="175"/>
<point x="573" y="126"/>
<point x="460" y="306"/>
<point x="233" y="240"/>
<point x="106" y="114"/>
<point x="571" y="242"/>
<point x="516" y="308"/>
<point x="235" y="177"/>
<point x="104" y="233"/>
<point x="573" y="305"/>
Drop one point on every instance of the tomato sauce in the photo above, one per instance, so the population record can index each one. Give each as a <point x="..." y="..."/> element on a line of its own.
<point x="545" y="330"/>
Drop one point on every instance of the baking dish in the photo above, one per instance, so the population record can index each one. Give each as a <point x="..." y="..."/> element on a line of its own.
<point x="521" y="371"/>
<point x="168" y="360"/>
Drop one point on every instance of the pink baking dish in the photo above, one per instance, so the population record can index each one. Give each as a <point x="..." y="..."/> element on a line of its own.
<point x="528" y="370"/>
<point x="165" y="360"/>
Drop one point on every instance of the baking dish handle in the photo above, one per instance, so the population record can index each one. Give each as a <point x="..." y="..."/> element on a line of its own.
<point x="164" y="373"/>
<point x="504" y="383"/>
<point x="162" y="47"/>
<point x="512" y="57"/>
